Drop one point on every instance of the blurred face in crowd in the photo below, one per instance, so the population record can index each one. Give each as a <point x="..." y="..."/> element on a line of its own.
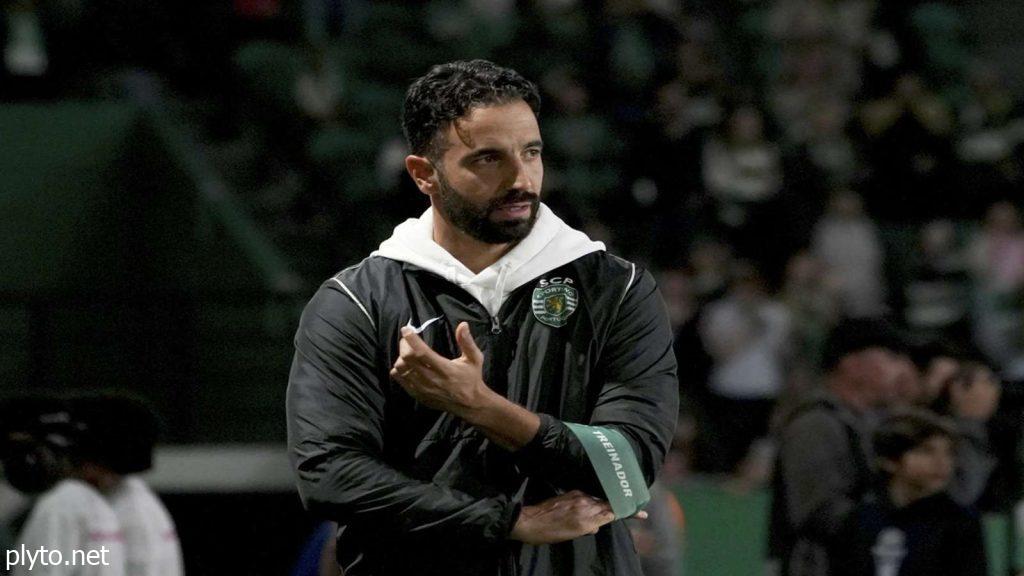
<point x="1003" y="218"/>
<point x="874" y="374"/>
<point x="488" y="179"/>
<point x="746" y="126"/>
<point x="909" y="383"/>
<point x="925" y="469"/>
<point x="846" y="204"/>
<point x="938" y="238"/>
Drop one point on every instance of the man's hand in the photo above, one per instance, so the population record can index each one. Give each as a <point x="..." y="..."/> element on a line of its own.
<point x="562" y="518"/>
<point x="455" y="386"/>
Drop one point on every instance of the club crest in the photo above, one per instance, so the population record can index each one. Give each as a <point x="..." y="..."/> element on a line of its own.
<point x="554" y="301"/>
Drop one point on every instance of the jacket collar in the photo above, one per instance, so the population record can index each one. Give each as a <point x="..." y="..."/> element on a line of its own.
<point x="551" y="243"/>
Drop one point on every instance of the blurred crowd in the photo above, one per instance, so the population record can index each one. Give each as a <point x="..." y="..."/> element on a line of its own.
<point x="73" y="500"/>
<point x="785" y="165"/>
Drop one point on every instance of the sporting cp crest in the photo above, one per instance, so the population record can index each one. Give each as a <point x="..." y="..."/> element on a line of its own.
<point x="554" y="301"/>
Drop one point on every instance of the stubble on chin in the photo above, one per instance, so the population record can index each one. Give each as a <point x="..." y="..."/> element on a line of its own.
<point x="477" y="221"/>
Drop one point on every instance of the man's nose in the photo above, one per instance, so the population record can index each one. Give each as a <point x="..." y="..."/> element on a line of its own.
<point x="520" y="177"/>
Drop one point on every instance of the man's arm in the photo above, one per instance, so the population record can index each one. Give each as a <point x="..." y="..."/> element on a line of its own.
<point x="457" y="387"/>
<point x="335" y="408"/>
<point x="639" y="397"/>
<point x="817" y="473"/>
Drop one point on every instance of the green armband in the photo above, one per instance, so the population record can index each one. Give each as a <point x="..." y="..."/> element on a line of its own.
<point x="616" y="467"/>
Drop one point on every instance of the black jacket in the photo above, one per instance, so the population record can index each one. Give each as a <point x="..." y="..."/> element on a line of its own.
<point x="931" y="537"/>
<point x="417" y="491"/>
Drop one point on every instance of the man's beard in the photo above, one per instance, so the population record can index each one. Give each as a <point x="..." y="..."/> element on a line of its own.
<point x="476" y="221"/>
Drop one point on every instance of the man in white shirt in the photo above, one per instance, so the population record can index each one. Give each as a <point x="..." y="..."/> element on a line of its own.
<point x="151" y="541"/>
<point x="72" y="530"/>
<point x="121" y="435"/>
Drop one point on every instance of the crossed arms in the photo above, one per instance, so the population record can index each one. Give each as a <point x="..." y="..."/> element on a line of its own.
<point x="336" y="405"/>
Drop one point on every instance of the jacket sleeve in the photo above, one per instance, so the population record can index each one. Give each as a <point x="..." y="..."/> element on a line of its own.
<point x="966" y="548"/>
<point x="639" y="397"/>
<point x="974" y="463"/>
<point x="335" y="409"/>
<point x="817" y="474"/>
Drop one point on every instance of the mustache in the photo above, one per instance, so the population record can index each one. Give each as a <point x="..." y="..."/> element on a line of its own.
<point x="514" y="197"/>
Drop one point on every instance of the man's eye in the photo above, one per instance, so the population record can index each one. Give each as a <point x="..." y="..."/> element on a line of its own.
<point x="487" y="159"/>
<point x="533" y="153"/>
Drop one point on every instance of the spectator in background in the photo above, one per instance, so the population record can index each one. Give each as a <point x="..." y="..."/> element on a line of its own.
<point x="638" y="40"/>
<point x="997" y="269"/>
<point x="970" y="398"/>
<point x="477" y="28"/>
<point x="711" y="260"/>
<point x="822" y="467"/>
<point x="746" y="333"/>
<point x="813" y="309"/>
<point x="991" y="132"/>
<point x="908" y="145"/>
<point x="26" y="60"/>
<point x="38" y="445"/>
<point x="684" y="313"/>
<point x="318" y="87"/>
<point x="937" y="293"/>
<point x="830" y="151"/>
<point x="584" y="167"/>
<point x="801" y="86"/>
<point x="911" y="526"/>
<point x="120" y="432"/>
<point x="693" y="99"/>
<point x="743" y="175"/>
<point x="846" y="242"/>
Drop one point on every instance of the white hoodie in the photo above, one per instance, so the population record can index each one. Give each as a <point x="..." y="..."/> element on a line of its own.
<point x="551" y="243"/>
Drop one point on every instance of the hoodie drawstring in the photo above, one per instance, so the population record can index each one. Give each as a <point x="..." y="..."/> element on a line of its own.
<point x="498" y="296"/>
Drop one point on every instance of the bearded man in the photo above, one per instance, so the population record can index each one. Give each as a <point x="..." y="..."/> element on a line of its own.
<point x="490" y="392"/>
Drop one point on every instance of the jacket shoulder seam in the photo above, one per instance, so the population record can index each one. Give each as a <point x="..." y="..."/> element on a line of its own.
<point x="354" y="299"/>
<point x="629" y="284"/>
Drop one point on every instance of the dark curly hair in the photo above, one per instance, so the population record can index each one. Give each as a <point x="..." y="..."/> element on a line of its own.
<point x="449" y="91"/>
<point x="907" y="429"/>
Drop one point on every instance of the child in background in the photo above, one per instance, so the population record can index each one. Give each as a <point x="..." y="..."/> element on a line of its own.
<point x="911" y="526"/>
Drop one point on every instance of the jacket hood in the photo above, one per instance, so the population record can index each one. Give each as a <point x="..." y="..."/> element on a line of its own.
<point x="551" y="243"/>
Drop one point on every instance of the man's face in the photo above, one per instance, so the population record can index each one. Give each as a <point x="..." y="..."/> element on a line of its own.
<point x="490" y="174"/>
<point x="877" y="372"/>
<point x="909" y="383"/>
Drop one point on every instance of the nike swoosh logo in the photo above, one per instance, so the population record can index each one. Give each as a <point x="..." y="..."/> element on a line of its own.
<point x="424" y="326"/>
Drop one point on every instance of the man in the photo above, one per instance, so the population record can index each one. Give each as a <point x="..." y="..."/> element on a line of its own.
<point x="121" y="432"/>
<point x="446" y="392"/>
<point x="822" y="467"/>
<point x="70" y="517"/>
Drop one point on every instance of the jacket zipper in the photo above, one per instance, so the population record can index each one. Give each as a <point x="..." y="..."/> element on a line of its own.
<point x="495" y="325"/>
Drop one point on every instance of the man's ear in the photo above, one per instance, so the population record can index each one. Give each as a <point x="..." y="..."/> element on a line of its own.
<point x="422" y="172"/>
